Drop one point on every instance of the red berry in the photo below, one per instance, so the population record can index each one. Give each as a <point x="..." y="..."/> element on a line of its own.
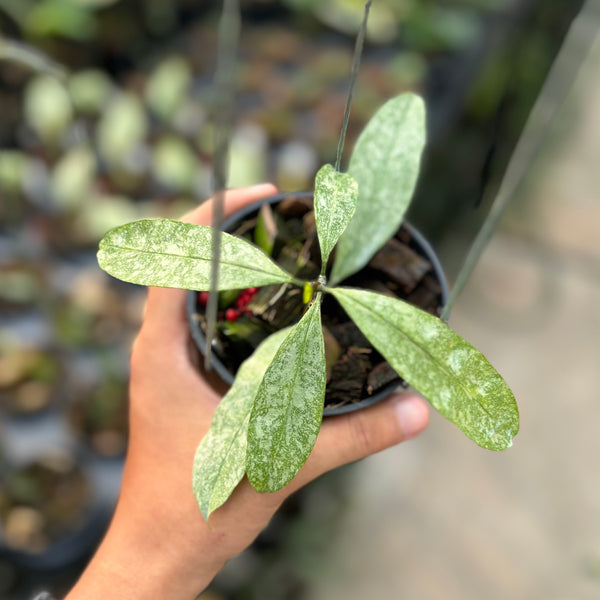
<point x="203" y="298"/>
<point x="231" y="314"/>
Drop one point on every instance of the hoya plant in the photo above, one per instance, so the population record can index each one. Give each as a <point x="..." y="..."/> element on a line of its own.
<point x="266" y="425"/>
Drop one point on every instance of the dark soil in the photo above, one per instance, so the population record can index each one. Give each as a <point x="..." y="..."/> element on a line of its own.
<point x="356" y="371"/>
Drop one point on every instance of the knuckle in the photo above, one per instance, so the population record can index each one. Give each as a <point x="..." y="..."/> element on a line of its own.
<point x="363" y="433"/>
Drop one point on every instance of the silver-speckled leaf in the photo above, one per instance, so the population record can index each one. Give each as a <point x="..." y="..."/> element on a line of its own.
<point x="167" y="253"/>
<point x="220" y="461"/>
<point x="453" y="375"/>
<point x="335" y="201"/>
<point x="385" y="163"/>
<point x="288" y="409"/>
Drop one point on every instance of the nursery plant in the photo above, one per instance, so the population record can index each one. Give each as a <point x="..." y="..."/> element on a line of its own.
<point x="267" y="423"/>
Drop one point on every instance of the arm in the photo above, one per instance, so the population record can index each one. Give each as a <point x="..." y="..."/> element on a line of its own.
<point x="158" y="544"/>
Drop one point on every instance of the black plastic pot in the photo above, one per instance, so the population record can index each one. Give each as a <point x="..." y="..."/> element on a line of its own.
<point x="419" y="244"/>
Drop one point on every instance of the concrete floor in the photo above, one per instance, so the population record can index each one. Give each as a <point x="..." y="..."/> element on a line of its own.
<point x="439" y="517"/>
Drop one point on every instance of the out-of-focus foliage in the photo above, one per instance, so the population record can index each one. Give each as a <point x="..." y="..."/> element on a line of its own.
<point x="168" y="86"/>
<point x="425" y="24"/>
<point x="89" y="91"/>
<point x="73" y="19"/>
<point x="123" y="131"/>
<point x="48" y="108"/>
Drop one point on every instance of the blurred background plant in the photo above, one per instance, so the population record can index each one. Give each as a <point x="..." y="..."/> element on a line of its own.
<point x="104" y="120"/>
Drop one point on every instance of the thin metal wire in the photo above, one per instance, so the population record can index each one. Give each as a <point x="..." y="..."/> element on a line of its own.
<point x="225" y="75"/>
<point x="358" y="48"/>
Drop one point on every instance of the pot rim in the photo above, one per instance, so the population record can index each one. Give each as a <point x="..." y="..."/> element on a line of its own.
<point x="223" y="371"/>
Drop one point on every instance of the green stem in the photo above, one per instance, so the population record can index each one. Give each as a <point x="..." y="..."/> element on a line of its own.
<point x="298" y="282"/>
<point x="552" y="96"/>
<point x="358" y="48"/>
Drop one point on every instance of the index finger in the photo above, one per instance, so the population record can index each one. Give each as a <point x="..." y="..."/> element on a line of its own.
<point x="234" y="200"/>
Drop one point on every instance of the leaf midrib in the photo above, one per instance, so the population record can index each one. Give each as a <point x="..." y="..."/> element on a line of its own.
<point x="293" y="385"/>
<point x="334" y="205"/>
<point x="442" y="367"/>
<point x="222" y="463"/>
<point x="387" y="160"/>
<point x="199" y="258"/>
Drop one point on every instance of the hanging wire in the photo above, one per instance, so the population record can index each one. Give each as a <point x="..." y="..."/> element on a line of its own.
<point x="358" y="48"/>
<point x="223" y="102"/>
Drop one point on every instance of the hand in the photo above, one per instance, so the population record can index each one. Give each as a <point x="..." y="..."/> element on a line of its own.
<point x="158" y="544"/>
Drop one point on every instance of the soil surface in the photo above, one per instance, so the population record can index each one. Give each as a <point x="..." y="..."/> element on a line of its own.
<point x="355" y="370"/>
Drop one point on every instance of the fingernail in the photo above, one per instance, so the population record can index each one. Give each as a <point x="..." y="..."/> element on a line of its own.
<point x="412" y="414"/>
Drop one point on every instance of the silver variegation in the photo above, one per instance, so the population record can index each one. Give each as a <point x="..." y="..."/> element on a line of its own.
<point x="168" y="253"/>
<point x="335" y="201"/>
<point x="453" y="375"/>
<point x="288" y="409"/>
<point x="385" y="163"/>
<point x="220" y="460"/>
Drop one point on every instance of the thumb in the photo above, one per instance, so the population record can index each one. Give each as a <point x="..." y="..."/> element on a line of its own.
<point x="350" y="437"/>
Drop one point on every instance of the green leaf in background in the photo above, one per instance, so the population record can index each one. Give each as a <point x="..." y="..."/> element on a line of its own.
<point x="123" y="127"/>
<point x="454" y="376"/>
<point x="346" y="16"/>
<point x="220" y="461"/>
<point x="168" y="85"/>
<point x="103" y="212"/>
<point x="335" y="201"/>
<point x="248" y="156"/>
<point x="93" y="3"/>
<point x="174" y="164"/>
<point x="47" y="108"/>
<point x="15" y="170"/>
<point x="265" y="232"/>
<point x="167" y="253"/>
<point x="90" y="90"/>
<point x="73" y="178"/>
<point x="288" y="409"/>
<point x="61" y="17"/>
<point x="385" y="163"/>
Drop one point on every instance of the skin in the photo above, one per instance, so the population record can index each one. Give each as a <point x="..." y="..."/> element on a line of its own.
<point x="158" y="545"/>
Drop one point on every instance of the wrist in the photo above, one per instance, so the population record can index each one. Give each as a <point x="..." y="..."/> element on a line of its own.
<point x="140" y="562"/>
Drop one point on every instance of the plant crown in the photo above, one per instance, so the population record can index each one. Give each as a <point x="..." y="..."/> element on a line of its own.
<point x="267" y="423"/>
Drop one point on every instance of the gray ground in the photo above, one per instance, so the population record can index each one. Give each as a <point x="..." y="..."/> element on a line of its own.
<point x="440" y="518"/>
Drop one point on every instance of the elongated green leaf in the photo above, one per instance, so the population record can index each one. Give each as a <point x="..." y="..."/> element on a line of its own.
<point x="454" y="376"/>
<point x="288" y="408"/>
<point x="220" y="460"/>
<point x="167" y="253"/>
<point x="385" y="163"/>
<point x="335" y="201"/>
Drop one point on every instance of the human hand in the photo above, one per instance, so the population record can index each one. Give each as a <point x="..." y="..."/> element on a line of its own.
<point x="158" y="544"/>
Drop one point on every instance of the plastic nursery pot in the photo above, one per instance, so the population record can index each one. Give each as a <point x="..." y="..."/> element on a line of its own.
<point x="358" y="376"/>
